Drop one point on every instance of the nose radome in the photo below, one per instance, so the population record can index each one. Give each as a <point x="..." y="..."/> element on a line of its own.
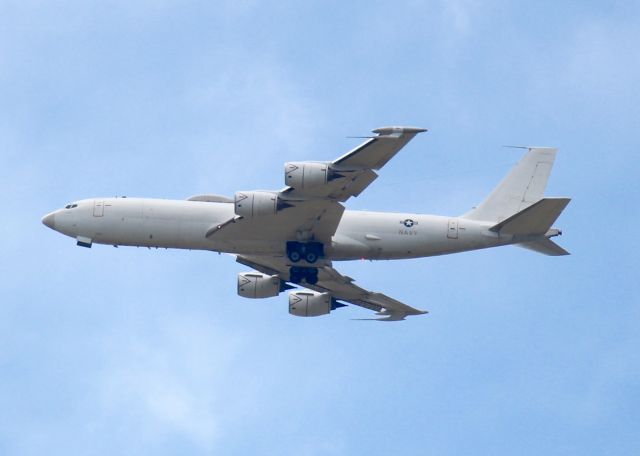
<point x="49" y="220"/>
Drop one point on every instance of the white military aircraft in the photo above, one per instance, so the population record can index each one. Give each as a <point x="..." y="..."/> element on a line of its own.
<point x="293" y="236"/>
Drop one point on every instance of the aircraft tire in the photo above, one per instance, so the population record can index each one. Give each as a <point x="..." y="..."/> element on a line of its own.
<point x="294" y="256"/>
<point x="312" y="279"/>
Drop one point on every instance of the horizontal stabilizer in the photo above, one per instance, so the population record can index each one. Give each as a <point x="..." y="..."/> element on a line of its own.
<point x="544" y="246"/>
<point x="534" y="220"/>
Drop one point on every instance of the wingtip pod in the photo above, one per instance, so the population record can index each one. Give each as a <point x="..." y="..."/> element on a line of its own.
<point x="398" y="131"/>
<point x="543" y="148"/>
<point x="392" y="316"/>
<point x="386" y="315"/>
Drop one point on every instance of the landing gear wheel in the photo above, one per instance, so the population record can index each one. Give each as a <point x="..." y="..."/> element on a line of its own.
<point x="312" y="276"/>
<point x="295" y="277"/>
<point x="309" y="251"/>
<point x="308" y="275"/>
<point x="294" y="256"/>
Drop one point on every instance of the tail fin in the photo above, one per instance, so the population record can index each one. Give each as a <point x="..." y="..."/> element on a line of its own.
<point x="521" y="188"/>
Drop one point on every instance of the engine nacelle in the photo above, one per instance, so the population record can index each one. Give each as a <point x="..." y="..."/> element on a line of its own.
<point x="306" y="175"/>
<point x="309" y="303"/>
<point x="256" y="204"/>
<point x="256" y="285"/>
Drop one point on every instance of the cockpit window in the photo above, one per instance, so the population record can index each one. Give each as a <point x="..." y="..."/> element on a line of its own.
<point x="70" y="206"/>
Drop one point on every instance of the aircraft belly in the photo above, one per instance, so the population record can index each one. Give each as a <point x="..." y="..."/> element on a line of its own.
<point x="154" y="223"/>
<point x="360" y="235"/>
<point x="377" y="236"/>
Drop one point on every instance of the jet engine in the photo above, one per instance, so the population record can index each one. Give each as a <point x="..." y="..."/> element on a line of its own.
<point x="306" y="175"/>
<point x="309" y="303"/>
<point x="256" y="204"/>
<point x="256" y="285"/>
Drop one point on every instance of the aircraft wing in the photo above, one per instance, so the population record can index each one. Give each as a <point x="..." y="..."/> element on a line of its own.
<point x="351" y="173"/>
<point x="378" y="150"/>
<point x="340" y="287"/>
<point x="311" y="203"/>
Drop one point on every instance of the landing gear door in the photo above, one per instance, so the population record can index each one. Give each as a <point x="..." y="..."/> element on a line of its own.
<point x="98" y="208"/>
<point x="452" y="231"/>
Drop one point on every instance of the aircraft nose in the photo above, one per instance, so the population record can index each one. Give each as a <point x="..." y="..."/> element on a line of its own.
<point x="50" y="220"/>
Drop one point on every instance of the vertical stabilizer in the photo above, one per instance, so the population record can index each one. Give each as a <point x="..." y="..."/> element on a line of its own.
<point x="522" y="187"/>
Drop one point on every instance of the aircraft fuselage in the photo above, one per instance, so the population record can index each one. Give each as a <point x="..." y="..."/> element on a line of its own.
<point x="183" y="224"/>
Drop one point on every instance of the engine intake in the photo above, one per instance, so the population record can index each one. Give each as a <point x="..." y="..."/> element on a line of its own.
<point x="309" y="303"/>
<point x="255" y="285"/>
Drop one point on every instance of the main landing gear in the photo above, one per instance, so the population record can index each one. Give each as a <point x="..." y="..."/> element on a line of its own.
<point x="307" y="251"/>
<point x="298" y="274"/>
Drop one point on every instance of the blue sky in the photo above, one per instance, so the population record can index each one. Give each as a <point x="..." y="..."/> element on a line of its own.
<point x="131" y="351"/>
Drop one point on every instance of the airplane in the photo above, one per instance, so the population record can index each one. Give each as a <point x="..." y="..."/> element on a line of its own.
<point x="292" y="237"/>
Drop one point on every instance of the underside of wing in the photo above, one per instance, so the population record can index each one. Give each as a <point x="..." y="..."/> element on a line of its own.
<point x="309" y="209"/>
<point x="288" y="230"/>
<point x="317" y="217"/>
<point x="349" y="174"/>
<point x="377" y="151"/>
<point x="340" y="287"/>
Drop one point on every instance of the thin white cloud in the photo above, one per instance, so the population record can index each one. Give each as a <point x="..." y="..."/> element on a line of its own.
<point x="459" y="14"/>
<point x="282" y="125"/>
<point x="168" y="381"/>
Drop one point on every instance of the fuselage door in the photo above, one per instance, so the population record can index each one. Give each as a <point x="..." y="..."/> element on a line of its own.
<point x="452" y="232"/>
<point x="98" y="208"/>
